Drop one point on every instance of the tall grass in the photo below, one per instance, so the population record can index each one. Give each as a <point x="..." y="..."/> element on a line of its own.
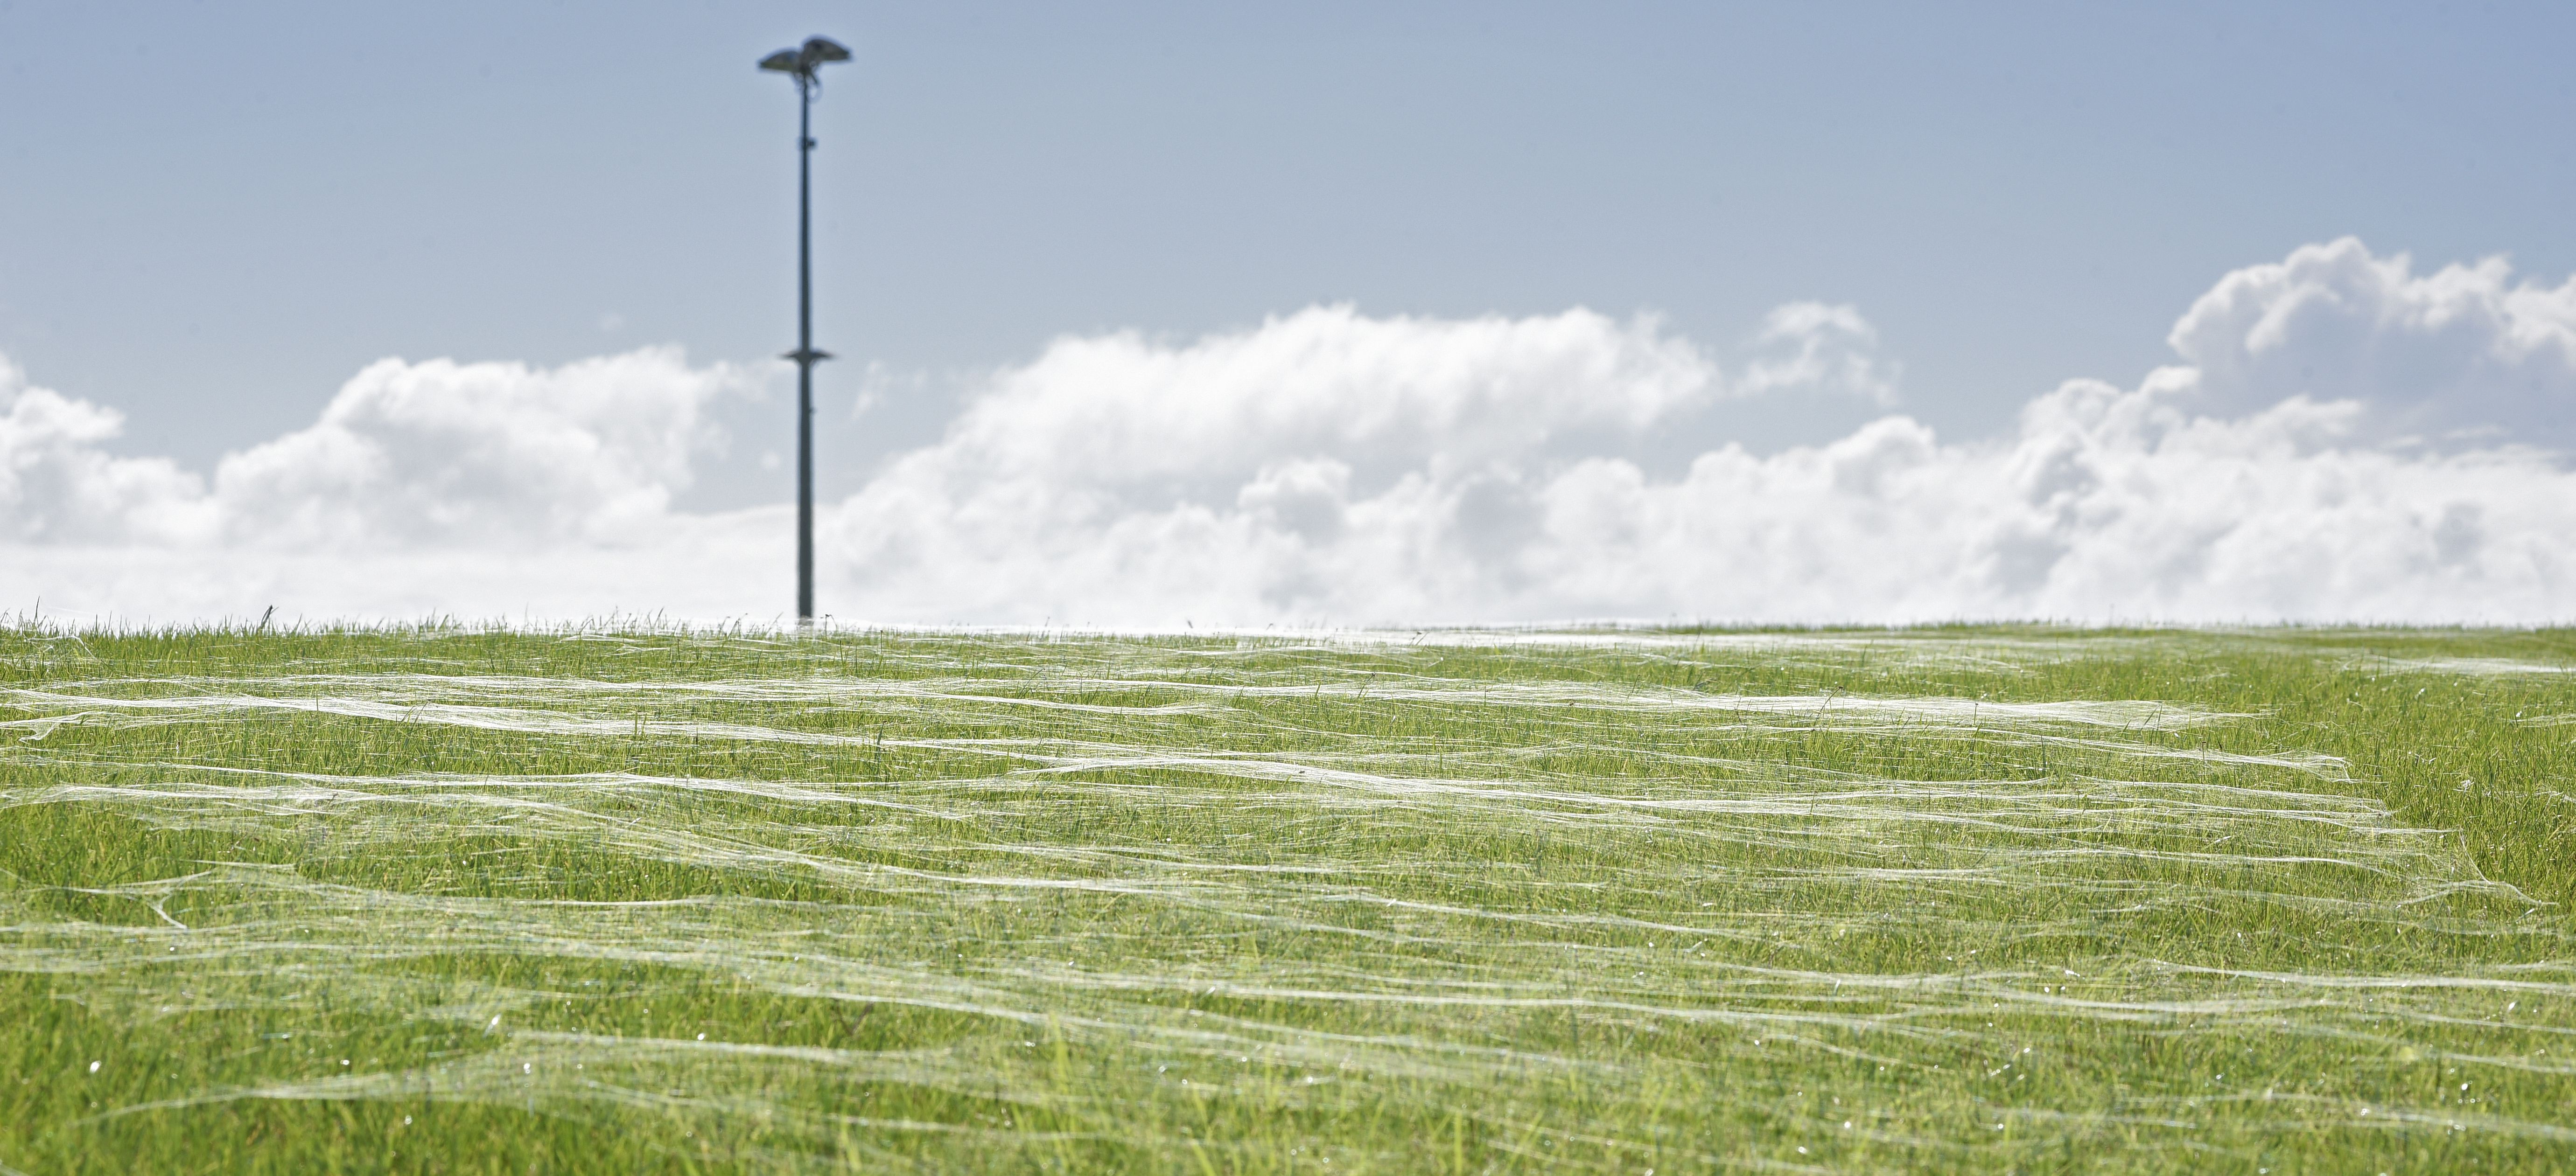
<point x="1970" y="899"/>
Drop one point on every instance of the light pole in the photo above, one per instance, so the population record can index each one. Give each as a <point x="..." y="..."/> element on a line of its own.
<point x="801" y="64"/>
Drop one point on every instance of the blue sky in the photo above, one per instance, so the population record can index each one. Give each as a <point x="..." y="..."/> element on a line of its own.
<point x="1848" y="220"/>
<point x="215" y="213"/>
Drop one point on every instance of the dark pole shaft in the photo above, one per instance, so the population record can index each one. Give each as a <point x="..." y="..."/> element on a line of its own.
<point x="804" y="352"/>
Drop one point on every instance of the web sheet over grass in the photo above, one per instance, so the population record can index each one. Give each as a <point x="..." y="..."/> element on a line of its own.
<point x="1678" y="902"/>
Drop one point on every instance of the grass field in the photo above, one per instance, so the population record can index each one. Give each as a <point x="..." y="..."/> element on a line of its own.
<point x="2269" y="901"/>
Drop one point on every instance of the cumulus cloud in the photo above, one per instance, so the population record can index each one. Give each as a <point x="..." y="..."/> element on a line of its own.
<point x="2459" y="357"/>
<point x="483" y="454"/>
<point x="437" y="453"/>
<point x="1810" y="346"/>
<point x="58" y="485"/>
<point x="428" y="488"/>
<point x="1330" y="467"/>
<point x="2342" y="439"/>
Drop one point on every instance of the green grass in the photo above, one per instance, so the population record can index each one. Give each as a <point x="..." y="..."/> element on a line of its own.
<point x="1948" y="899"/>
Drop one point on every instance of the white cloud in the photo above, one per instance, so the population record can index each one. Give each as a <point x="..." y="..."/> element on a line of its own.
<point x="58" y="485"/>
<point x="2459" y="356"/>
<point x="1813" y="346"/>
<point x="2327" y="450"/>
<point x="1382" y="394"/>
<point x="405" y="456"/>
<point x="484" y="454"/>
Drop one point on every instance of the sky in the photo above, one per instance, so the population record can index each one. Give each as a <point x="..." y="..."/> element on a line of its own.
<point x="1327" y="313"/>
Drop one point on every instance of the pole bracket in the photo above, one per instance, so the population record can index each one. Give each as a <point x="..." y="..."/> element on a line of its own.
<point x="807" y="355"/>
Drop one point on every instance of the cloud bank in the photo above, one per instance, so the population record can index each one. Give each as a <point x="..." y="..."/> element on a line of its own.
<point x="2341" y="438"/>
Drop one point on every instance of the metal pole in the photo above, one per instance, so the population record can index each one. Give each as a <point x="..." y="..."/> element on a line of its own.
<point x="805" y="353"/>
<point x="801" y="63"/>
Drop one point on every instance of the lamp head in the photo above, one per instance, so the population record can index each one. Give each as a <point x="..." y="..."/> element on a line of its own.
<point x="818" y="50"/>
<point x="803" y="60"/>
